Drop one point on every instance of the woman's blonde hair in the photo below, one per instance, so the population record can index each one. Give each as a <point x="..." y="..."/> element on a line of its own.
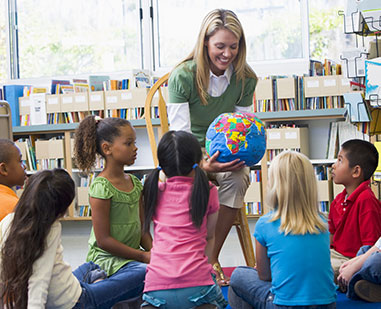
<point x="214" y="21"/>
<point x="292" y="194"/>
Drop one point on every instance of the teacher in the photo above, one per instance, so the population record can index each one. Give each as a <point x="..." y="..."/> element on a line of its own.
<point x="214" y="79"/>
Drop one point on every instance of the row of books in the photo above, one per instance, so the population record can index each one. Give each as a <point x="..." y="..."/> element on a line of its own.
<point x="322" y="88"/>
<point x="42" y="154"/>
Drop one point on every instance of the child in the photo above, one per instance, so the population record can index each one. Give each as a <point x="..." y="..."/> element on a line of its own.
<point x="116" y="237"/>
<point x="292" y="244"/>
<point x="184" y="210"/>
<point x="12" y="173"/>
<point x="362" y="274"/>
<point x="33" y="273"/>
<point x="355" y="213"/>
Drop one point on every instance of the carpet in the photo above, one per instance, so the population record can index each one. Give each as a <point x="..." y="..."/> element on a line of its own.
<point x="342" y="301"/>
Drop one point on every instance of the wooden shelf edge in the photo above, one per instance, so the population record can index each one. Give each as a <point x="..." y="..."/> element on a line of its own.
<point x="68" y="218"/>
<point x="328" y="113"/>
<point x="253" y="216"/>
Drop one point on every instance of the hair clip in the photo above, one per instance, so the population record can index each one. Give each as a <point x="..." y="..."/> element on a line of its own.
<point x="97" y="119"/>
<point x="159" y="167"/>
<point x="195" y="165"/>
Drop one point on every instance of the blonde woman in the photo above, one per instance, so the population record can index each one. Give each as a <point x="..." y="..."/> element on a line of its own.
<point x="215" y="78"/>
<point x="292" y="244"/>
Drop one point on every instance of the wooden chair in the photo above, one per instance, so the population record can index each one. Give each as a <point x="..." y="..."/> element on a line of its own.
<point x="5" y="121"/>
<point x="156" y="97"/>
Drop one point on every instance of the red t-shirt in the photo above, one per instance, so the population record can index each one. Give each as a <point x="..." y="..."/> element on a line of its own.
<point x="356" y="221"/>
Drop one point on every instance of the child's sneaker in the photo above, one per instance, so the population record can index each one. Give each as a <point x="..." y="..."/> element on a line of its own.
<point x="368" y="291"/>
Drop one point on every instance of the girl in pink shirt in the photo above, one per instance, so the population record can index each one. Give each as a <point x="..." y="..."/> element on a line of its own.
<point x="184" y="211"/>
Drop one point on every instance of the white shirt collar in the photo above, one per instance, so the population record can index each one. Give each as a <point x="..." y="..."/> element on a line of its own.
<point x="227" y="74"/>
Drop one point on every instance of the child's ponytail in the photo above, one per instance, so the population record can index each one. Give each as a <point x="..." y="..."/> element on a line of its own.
<point x="85" y="144"/>
<point x="150" y="191"/>
<point x="200" y="196"/>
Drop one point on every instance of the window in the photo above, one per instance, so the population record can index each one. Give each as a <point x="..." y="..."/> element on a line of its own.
<point x="3" y="42"/>
<point x="327" y="37"/>
<point x="73" y="37"/>
<point x="273" y="28"/>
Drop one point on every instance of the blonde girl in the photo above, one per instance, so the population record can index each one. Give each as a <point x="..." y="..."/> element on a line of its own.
<point x="214" y="79"/>
<point x="292" y="244"/>
<point x="116" y="242"/>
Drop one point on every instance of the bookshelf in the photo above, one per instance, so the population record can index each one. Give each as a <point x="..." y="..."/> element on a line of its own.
<point x="41" y="136"/>
<point x="317" y="140"/>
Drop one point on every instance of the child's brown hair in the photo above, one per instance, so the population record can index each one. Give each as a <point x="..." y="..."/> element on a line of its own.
<point x="92" y="131"/>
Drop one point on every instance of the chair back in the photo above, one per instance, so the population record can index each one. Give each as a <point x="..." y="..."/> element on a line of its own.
<point x="5" y="121"/>
<point x="156" y="98"/>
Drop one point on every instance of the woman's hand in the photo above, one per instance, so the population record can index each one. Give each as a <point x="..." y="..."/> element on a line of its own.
<point x="213" y="166"/>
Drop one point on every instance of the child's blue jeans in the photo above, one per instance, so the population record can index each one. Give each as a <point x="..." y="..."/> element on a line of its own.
<point x="126" y="283"/>
<point x="370" y="271"/>
<point x="248" y="291"/>
<point x="185" y="298"/>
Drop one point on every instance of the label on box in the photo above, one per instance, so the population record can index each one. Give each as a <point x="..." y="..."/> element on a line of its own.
<point x="67" y="100"/>
<point x="329" y="82"/>
<point x="274" y="135"/>
<point x="112" y="99"/>
<point x="126" y="96"/>
<point x="95" y="97"/>
<point x="80" y="99"/>
<point x="290" y="135"/>
<point x="25" y="103"/>
<point x="313" y="84"/>
<point x="53" y="101"/>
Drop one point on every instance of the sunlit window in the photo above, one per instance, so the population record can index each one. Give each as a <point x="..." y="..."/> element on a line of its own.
<point x="327" y="38"/>
<point x="272" y="28"/>
<point x="3" y="46"/>
<point x="72" y="37"/>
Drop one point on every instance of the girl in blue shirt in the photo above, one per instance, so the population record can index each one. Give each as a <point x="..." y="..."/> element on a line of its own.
<point x="292" y="244"/>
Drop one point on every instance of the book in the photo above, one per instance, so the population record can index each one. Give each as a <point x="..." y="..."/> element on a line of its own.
<point x="142" y="78"/>
<point x="55" y="85"/>
<point x="96" y="82"/>
<point x="373" y="81"/>
<point x="11" y="95"/>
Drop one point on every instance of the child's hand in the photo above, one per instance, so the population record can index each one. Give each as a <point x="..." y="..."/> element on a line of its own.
<point x="146" y="257"/>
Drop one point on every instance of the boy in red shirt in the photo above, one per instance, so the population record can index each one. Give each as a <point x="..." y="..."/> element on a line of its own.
<point x="355" y="213"/>
<point x="12" y="173"/>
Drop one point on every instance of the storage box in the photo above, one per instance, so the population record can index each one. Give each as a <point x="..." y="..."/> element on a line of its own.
<point x="49" y="149"/>
<point x="286" y="88"/>
<point x="83" y="196"/>
<point x="96" y="100"/>
<point x="53" y="103"/>
<point x="288" y="138"/>
<point x="264" y="89"/>
<point x="22" y="146"/>
<point x="324" y="190"/>
<point x="81" y="102"/>
<point x="253" y="193"/>
<point x="337" y="189"/>
<point x="24" y="105"/>
<point x="67" y="102"/>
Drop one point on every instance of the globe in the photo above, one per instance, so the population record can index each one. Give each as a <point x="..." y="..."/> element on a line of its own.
<point x="236" y="136"/>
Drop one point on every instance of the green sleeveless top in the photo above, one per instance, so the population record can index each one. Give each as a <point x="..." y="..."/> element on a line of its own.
<point x="125" y="223"/>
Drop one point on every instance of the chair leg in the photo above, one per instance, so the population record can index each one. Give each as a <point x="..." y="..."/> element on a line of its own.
<point x="244" y="237"/>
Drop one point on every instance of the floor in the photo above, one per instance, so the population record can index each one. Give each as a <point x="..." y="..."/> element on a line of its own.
<point x="75" y="235"/>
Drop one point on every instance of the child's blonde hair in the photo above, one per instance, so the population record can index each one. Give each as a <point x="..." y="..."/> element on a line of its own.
<point x="292" y="193"/>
